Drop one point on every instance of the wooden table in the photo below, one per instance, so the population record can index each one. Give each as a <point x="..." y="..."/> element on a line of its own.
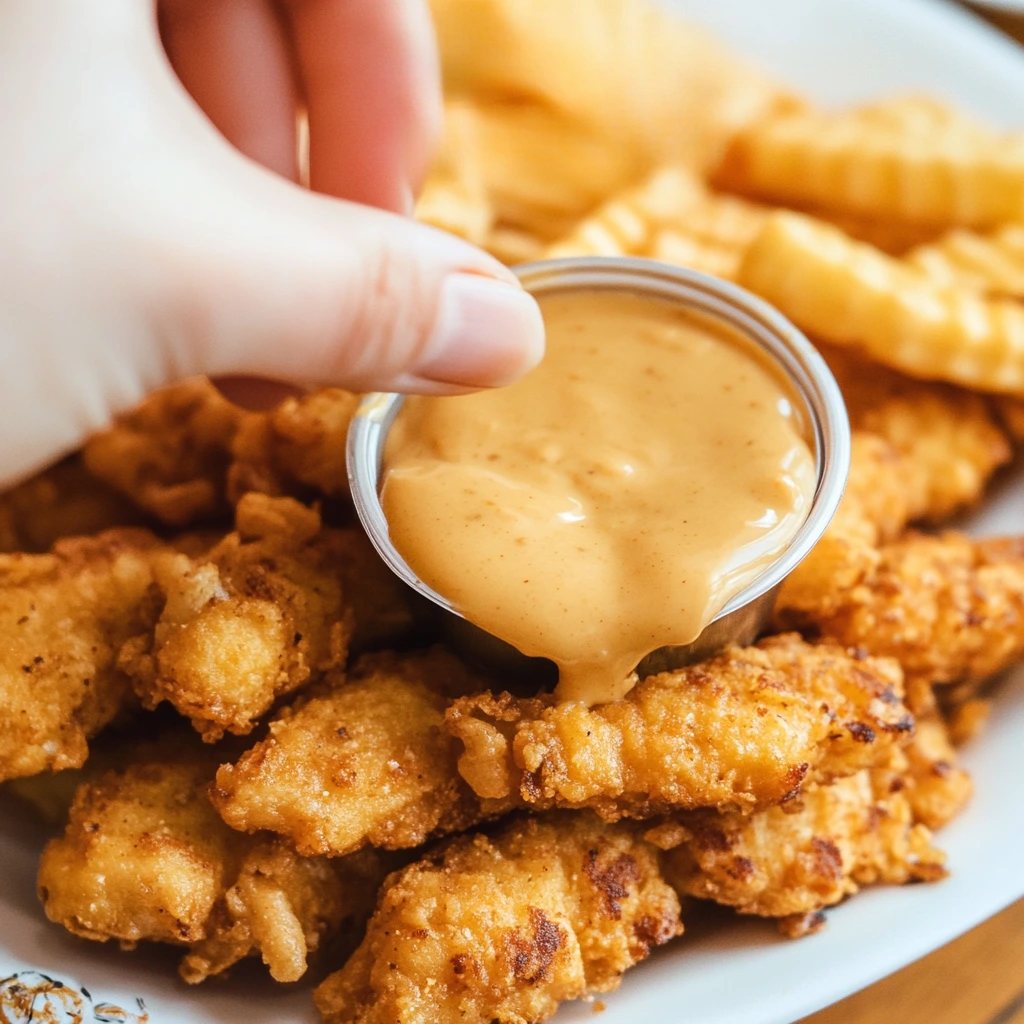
<point x="979" y="978"/>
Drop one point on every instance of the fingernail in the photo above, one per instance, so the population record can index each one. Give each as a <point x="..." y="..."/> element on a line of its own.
<point x="487" y="333"/>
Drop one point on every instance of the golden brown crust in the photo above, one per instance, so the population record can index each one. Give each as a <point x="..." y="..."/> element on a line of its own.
<point x="144" y="856"/>
<point x="506" y="928"/>
<point x="170" y="454"/>
<point x="258" y="616"/>
<point x="948" y="608"/>
<point x="793" y="862"/>
<point x="64" y="617"/>
<point x="746" y="729"/>
<point x="362" y="760"/>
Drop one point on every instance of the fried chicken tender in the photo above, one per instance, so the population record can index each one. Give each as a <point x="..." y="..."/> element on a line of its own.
<point x="948" y="608"/>
<point x="63" y="617"/>
<point x="257" y="617"/>
<point x="791" y="862"/>
<point x="935" y="784"/>
<point x="145" y="857"/>
<point x="504" y="928"/>
<point x="62" y="501"/>
<point x="949" y="439"/>
<point x="296" y="449"/>
<point x="746" y="729"/>
<point x="170" y="455"/>
<point x="363" y="760"/>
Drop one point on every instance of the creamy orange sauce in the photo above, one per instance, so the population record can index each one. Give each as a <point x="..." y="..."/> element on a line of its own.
<point x="611" y="502"/>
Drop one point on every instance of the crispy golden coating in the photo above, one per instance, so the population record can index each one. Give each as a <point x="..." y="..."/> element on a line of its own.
<point x="503" y="929"/>
<point x="934" y="783"/>
<point x="62" y="501"/>
<point x="950" y="441"/>
<point x="365" y="759"/>
<point x="794" y="861"/>
<point x="1011" y="413"/>
<point x="851" y="294"/>
<point x="746" y="729"/>
<point x="948" y="608"/>
<point x="255" y="618"/>
<point x="908" y="159"/>
<point x="296" y="448"/>
<point x="170" y="455"/>
<point x="63" y="618"/>
<point x="145" y="856"/>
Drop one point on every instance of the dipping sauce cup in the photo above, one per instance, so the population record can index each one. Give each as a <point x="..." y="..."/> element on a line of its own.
<point x="818" y="405"/>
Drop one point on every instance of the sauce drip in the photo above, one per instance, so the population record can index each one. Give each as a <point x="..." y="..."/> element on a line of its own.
<point x="611" y="502"/>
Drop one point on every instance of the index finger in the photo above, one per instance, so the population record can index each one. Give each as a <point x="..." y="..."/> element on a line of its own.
<point x="370" y="74"/>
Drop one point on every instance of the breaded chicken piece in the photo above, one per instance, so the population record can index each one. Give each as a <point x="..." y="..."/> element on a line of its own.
<point x="1011" y="414"/>
<point x="295" y="448"/>
<point x="62" y="501"/>
<point x="746" y="729"/>
<point x="363" y="760"/>
<point x="948" y="608"/>
<point x="63" y="618"/>
<point x="503" y="929"/>
<point x="170" y="455"/>
<point x="937" y="787"/>
<point x="791" y="862"/>
<point x="949" y="440"/>
<point x="874" y="506"/>
<point x="145" y="857"/>
<point x="255" y="618"/>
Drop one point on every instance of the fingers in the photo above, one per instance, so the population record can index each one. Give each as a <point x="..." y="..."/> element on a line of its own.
<point x="370" y="77"/>
<point x="316" y="291"/>
<point x="235" y="58"/>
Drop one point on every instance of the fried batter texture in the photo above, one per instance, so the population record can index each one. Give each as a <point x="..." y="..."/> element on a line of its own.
<point x="363" y="760"/>
<point x="255" y="618"/>
<point x="794" y="861"/>
<point x="62" y="501"/>
<point x="170" y="455"/>
<point x="948" y="608"/>
<point x="63" y="617"/>
<point x="503" y="929"/>
<point x="145" y="857"/>
<point x="744" y="730"/>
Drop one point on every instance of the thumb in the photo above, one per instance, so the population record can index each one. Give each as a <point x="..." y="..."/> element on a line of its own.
<point x="289" y="285"/>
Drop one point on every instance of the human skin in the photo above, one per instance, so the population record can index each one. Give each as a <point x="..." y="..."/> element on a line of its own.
<point x="152" y="227"/>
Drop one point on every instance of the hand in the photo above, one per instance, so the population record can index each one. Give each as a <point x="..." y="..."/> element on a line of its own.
<point x="140" y="244"/>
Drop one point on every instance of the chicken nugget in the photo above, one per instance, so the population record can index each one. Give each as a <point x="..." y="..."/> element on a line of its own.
<point x="504" y="928"/>
<point x="170" y="455"/>
<point x="260" y="615"/>
<point x="62" y="501"/>
<point x="297" y="448"/>
<point x="145" y="857"/>
<point x="948" y="608"/>
<point x="363" y="760"/>
<point x="746" y="729"/>
<point x="63" y="617"/>
<point x="792" y="862"/>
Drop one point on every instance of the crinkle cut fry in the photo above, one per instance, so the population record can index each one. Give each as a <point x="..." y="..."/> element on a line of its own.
<point x="364" y="759"/>
<point x="791" y="863"/>
<point x="848" y="293"/>
<point x="256" y="617"/>
<point x="908" y="160"/>
<point x="145" y="857"/>
<point x="948" y="608"/>
<point x="63" y="617"/>
<point x="506" y="927"/>
<point x="992" y="264"/>
<point x="746" y="729"/>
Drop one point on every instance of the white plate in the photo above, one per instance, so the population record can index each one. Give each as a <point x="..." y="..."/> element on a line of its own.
<point x="737" y="972"/>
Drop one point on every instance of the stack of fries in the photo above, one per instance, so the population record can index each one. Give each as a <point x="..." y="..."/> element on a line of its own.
<point x="206" y="560"/>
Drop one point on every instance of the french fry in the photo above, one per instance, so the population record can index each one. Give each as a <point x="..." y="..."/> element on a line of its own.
<point x="992" y="264"/>
<point x="909" y="161"/>
<point x="851" y="294"/>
